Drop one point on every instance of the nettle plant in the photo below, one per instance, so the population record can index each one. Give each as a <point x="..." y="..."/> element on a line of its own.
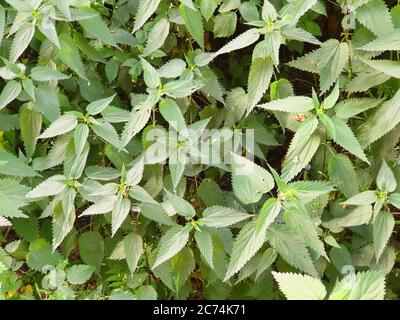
<point x="106" y="193"/>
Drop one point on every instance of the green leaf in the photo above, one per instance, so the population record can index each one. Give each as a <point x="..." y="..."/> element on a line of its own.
<point x="181" y="206"/>
<point x="225" y="24"/>
<point x="302" y="225"/>
<point x="151" y="77"/>
<point x="391" y="68"/>
<point x="205" y="244"/>
<point x="359" y="216"/>
<point x="328" y="61"/>
<point x="221" y="217"/>
<point x="249" y="181"/>
<point x="2" y="22"/>
<point x="69" y="55"/>
<point x="107" y="132"/>
<point x="41" y="255"/>
<point x="145" y="11"/>
<point x="266" y="260"/>
<point x="376" y="17"/>
<point x="30" y="122"/>
<point x="157" y="36"/>
<point x="133" y="249"/>
<point x="12" y="198"/>
<point x="329" y="125"/>
<point x="346" y="139"/>
<point x="10" y="165"/>
<point x="49" y="187"/>
<point x="182" y="266"/>
<point x="120" y="211"/>
<point x="63" y="217"/>
<point x="342" y="173"/>
<point x="381" y="122"/>
<point x="363" y="198"/>
<point x="383" y="225"/>
<point x="171" y="243"/>
<point x="300" y="287"/>
<point x="291" y="249"/>
<point x="81" y="134"/>
<point x="41" y="73"/>
<point x="301" y="150"/>
<point x="98" y="106"/>
<point x="156" y="212"/>
<point x="172" y="114"/>
<point x="11" y="90"/>
<point x="79" y="274"/>
<point x="388" y="41"/>
<point x="386" y="180"/>
<point x="63" y="124"/>
<point x="21" y="41"/>
<point x="47" y="102"/>
<point x="194" y="24"/>
<point x="96" y="27"/>
<point x="207" y="7"/>
<point x="349" y="108"/>
<point x="369" y="285"/>
<point x="296" y="8"/>
<point x="242" y="41"/>
<point x="251" y="237"/>
<point x="259" y="78"/>
<point x="111" y="69"/>
<point x="296" y="104"/>
<point x="91" y="248"/>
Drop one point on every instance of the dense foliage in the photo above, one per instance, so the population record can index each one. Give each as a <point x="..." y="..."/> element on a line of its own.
<point x="305" y="204"/>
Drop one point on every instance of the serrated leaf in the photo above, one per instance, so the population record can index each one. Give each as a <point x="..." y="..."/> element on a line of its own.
<point x="194" y="23"/>
<point x="91" y="248"/>
<point x="249" y="181"/>
<point x="81" y="134"/>
<point x="79" y="274"/>
<point x="385" y="179"/>
<point x="251" y="237"/>
<point x="96" y="27"/>
<point x="259" y="78"/>
<point x="342" y="172"/>
<point x="63" y="124"/>
<point x="389" y="67"/>
<point x="296" y="104"/>
<point x="30" y="125"/>
<point x="120" y="211"/>
<point x="49" y="187"/>
<point x="301" y="224"/>
<point x="21" y="41"/>
<point x="205" y="244"/>
<point x="383" y="225"/>
<point x="11" y="90"/>
<point x="98" y="106"/>
<point x="157" y="36"/>
<point x="301" y="150"/>
<point x="10" y="165"/>
<point x="376" y="17"/>
<point x="381" y="122"/>
<point x="291" y="249"/>
<point x="171" y="243"/>
<point x="145" y="11"/>
<point x="300" y="287"/>
<point x="220" y="217"/>
<point x="346" y="139"/>
<point x="133" y="249"/>
<point x="388" y="41"/>
<point x="349" y="108"/>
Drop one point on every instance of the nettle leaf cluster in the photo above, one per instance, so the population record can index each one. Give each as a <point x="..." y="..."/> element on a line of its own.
<point x="90" y="208"/>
